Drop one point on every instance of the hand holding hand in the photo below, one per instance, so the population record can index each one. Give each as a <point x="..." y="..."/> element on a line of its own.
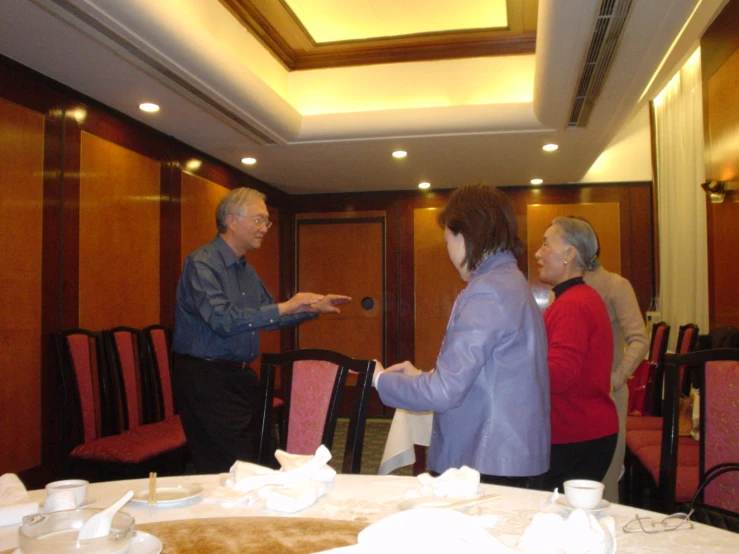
<point x="300" y="303"/>
<point x="327" y="305"/>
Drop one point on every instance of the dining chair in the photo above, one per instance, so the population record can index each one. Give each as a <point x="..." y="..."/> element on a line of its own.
<point x="643" y="381"/>
<point x="314" y="383"/>
<point x="92" y="443"/>
<point x="718" y="371"/>
<point x="157" y="378"/>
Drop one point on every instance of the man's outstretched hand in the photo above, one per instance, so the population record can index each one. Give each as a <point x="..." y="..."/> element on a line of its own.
<point x="327" y="305"/>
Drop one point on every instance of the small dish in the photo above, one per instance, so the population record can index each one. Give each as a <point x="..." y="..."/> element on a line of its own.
<point x="602" y="505"/>
<point x="168" y="496"/>
<point x="88" y="502"/>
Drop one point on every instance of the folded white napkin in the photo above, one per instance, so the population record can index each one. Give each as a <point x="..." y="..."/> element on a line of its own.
<point x="580" y="533"/>
<point x="246" y="482"/>
<point x="300" y="467"/>
<point x="293" y="498"/>
<point x="14" y="501"/>
<point x="453" y="483"/>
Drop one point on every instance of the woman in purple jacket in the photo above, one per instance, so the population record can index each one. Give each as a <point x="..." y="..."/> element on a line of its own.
<point x="489" y="389"/>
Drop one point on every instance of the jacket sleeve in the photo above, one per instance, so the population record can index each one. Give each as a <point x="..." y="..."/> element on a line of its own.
<point x="206" y="295"/>
<point x="476" y="326"/>
<point x="634" y="332"/>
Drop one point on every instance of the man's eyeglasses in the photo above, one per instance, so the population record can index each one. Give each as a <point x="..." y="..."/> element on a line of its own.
<point x="670" y="523"/>
<point x="258" y="221"/>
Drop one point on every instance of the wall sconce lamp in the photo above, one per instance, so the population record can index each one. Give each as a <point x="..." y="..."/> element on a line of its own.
<point x="717" y="189"/>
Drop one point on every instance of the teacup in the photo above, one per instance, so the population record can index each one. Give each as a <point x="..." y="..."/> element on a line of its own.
<point x="78" y="488"/>
<point x="583" y="493"/>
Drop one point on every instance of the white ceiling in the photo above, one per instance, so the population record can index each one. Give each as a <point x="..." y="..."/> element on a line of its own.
<point x="332" y="130"/>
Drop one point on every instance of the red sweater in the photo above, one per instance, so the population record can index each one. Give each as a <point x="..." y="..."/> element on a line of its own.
<point x="580" y="357"/>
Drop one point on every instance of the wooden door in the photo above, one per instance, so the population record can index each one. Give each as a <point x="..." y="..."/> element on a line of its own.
<point x="343" y="254"/>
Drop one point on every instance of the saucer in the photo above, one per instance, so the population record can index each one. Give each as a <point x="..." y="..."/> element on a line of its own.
<point x="602" y="505"/>
<point x="168" y="495"/>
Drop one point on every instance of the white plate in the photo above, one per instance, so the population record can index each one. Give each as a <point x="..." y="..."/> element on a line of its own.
<point x="88" y="502"/>
<point x="602" y="505"/>
<point x="167" y="496"/>
<point x="144" y="543"/>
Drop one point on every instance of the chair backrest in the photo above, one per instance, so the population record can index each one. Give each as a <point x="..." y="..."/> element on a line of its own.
<point x="657" y="349"/>
<point x="719" y="374"/>
<point x="314" y="382"/>
<point x="687" y="339"/>
<point x="124" y="355"/>
<point x="87" y="403"/>
<point x="158" y="384"/>
<point x="720" y="429"/>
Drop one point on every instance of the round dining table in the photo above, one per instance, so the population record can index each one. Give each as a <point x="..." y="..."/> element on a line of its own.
<point x="191" y="521"/>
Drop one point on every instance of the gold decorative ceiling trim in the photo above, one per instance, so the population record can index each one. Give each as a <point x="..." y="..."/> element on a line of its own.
<point x="275" y="25"/>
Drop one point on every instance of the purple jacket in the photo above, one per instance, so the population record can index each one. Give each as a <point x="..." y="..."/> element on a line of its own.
<point x="490" y="388"/>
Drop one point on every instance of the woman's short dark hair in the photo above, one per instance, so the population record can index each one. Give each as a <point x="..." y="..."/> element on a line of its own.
<point x="484" y="216"/>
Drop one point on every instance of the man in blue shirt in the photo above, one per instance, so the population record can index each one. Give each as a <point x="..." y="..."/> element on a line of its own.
<point x="222" y="305"/>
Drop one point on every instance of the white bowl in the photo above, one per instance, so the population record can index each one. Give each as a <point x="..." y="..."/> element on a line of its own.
<point x="583" y="493"/>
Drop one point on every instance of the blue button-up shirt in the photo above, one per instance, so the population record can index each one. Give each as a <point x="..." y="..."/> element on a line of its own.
<point x="222" y="305"/>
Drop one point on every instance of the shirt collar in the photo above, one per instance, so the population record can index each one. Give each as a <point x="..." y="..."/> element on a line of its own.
<point x="228" y="255"/>
<point x="565" y="285"/>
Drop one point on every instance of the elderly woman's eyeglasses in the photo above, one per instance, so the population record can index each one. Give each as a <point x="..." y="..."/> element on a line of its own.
<point x="672" y="522"/>
<point x="258" y="221"/>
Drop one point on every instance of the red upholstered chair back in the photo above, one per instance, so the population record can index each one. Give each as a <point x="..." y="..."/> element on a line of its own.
<point x="719" y="442"/>
<point x="720" y="431"/>
<point x="123" y="346"/>
<point x="158" y="339"/>
<point x="314" y="383"/>
<point x="657" y="349"/>
<point x="88" y="403"/>
<point x="310" y="395"/>
<point x="687" y="338"/>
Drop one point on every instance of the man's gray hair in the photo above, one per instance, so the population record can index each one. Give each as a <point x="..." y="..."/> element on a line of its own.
<point x="233" y="202"/>
<point x="580" y="235"/>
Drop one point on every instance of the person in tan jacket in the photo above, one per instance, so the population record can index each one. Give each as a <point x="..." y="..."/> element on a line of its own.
<point x="630" y="346"/>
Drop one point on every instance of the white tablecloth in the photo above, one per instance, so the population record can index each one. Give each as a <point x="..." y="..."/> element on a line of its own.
<point x="370" y="498"/>
<point x="406" y="430"/>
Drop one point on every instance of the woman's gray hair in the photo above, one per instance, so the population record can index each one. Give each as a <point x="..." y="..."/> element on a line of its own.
<point x="233" y="202"/>
<point x="580" y="235"/>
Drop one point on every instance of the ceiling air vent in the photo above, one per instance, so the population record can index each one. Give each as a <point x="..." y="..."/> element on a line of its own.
<point x="607" y="33"/>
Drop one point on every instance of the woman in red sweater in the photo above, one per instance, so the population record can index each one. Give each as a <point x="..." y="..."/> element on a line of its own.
<point x="583" y="415"/>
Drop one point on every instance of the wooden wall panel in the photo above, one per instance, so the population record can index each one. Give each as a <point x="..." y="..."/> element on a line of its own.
<point x="720" y="66"/>
<point x="119" y="236"/>
<point x="21" y="209"/>
<point x="437" y="283"/>
<point x="198" y="201"/>
<point x="344" y="256"/>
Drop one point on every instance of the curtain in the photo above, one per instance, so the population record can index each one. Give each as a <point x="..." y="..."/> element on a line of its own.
<point x="681" y="203"/>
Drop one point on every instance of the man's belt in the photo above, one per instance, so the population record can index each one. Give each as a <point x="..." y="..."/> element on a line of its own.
<point x="221" y="363"/>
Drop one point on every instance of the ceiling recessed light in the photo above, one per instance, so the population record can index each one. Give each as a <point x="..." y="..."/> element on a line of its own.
<point x="537" y="181"/>
<point x="400" y="154"/>
<point x="424" y="185"/>
<point x="550" y="147"/>
<point x="248" y="161"/>
<point x="149" y="107"/>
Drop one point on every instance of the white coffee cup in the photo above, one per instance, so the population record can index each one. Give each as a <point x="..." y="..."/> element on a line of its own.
<point x="583" y="493"/>
<point x="78" y="488"/>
